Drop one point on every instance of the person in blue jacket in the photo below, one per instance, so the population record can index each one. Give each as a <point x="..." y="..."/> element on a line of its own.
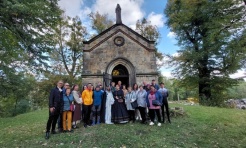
<point x="96" y="108"/>
<point x="154" y="100"/>
<point x="67" y="112"/>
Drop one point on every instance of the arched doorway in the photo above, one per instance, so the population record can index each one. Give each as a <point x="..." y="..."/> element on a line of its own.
<point x="120" y="73"/>
<point x="125" y="67"/>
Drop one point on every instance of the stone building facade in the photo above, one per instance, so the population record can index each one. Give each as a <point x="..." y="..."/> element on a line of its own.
<point x="119" y="53"/>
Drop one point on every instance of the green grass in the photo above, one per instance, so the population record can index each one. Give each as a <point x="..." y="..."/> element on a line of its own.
<point x="202" y="127"/>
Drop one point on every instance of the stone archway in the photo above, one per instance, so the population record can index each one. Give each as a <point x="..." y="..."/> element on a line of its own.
<point x="127" y="64"/>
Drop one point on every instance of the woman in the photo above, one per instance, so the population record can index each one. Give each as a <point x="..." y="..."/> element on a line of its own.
<point x="154" y="96"/>
<point x="130" y="98"/>
<point x="77" y="102"/>
<point x="67" y="113"/>
<point x="109" y="103"/>
<point x="84" y="88"/>
<point x="124" y="90"/>
<point x="141" y="99"/>
<point x="135" y="88"/>
<point x="119" y="111"/>
<point x="137" y="113"/>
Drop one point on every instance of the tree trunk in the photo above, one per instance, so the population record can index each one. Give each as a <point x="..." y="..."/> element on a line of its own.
<point x="204" y="82"/>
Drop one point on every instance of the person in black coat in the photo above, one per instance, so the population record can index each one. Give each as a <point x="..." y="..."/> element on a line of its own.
<point x="55" y="108"/>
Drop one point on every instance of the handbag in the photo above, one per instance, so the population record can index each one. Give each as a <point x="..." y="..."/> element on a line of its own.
<point x="134" y="104"/>
<point x="156" y="103"/>
<point x="72" y="107"/>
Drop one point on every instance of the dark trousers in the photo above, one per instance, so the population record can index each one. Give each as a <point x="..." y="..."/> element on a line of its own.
<point x="87" y="113"/>
<point x="142" y="113"/>
<point x="59" y="122"/>
<point x="52" y="121"/>
<point x="131" y="114"/>
<point x="152" y="113"/>
<point x="165" y="104"/>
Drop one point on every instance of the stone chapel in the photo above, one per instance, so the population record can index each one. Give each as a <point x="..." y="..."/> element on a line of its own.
<point x="119" y="53"/>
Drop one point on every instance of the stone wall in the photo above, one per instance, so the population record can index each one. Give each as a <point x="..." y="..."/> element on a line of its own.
<point x="102" y="50"/>
<point x="96" y="61"/>
<point x="146" y="78"/>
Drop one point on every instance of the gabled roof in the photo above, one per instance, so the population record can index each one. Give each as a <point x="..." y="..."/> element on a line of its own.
<point x="122" y="31"/>
<point x="114" y="26"/>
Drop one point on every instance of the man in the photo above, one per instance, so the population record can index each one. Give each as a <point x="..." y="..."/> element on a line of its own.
<point x="97" y="102"/>
<point x="55" y="108"/>
<point x="112" y="87"/>
<point x="87" y="104"/>
<point x="119" y="84"/>
<point x="144" y="85"/>
<point x="59" y="122"/>
<point x="155" y="85"/>
<point x="164" y="93"/>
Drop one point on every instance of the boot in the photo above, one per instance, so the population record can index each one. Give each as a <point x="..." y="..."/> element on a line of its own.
<point x="47" y="135"/>
<point x="98" y="119"/>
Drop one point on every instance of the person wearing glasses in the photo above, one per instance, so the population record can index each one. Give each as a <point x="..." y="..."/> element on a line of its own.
<point x="59" y="122"/>
<point x="55" y="108"/>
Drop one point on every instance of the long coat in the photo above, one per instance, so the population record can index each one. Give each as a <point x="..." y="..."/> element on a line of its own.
<point x="56" y="100"/>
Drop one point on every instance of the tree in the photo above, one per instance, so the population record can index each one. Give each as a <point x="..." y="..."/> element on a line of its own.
<point x="237" y="92"/>
<point x="100" y="22"/>
<point x="26" y="30"/>
<point x="14" y="94"/>
<point x="212" y="37"/>
<point x="69" y="50"/>
<point x="150" y="32"/>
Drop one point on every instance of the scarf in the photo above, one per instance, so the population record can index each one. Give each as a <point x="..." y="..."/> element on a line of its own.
<point x="152" y="92"/>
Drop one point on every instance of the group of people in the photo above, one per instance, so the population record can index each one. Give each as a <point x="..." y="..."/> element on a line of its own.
<point x="116" y="104"/>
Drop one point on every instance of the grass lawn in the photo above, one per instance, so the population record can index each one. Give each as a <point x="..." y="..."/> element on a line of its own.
<point x="202" y="127"/>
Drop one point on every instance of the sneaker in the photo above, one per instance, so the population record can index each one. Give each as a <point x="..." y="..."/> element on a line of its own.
<point x="151" y="123"/>
<point x="159" y="124"/>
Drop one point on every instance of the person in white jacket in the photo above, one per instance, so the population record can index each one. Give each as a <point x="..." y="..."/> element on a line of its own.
<point x="109" y="103"/>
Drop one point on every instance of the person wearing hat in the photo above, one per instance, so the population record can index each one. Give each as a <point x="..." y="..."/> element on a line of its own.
<point x="96" y="108"/>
